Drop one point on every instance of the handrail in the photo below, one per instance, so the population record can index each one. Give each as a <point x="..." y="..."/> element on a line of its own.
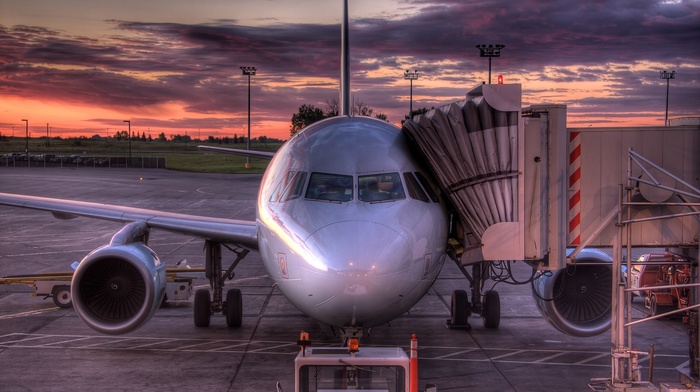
<point x="661" y="315"/>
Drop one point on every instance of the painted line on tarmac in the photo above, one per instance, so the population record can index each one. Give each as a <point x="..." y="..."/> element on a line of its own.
<point x="267" y="347"/>
<point x="27" y="314"/>
<point x="454" y="354"/>
<point x="582" y="362"/>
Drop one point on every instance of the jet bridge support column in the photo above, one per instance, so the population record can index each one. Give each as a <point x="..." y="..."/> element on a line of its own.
<point x="620" y="355"/>
<point x="695" y="345"/>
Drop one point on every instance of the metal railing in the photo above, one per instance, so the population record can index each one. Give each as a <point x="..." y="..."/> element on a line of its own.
<point x="83" y="161"/>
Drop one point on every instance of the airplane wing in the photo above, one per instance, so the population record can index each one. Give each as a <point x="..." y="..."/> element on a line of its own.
<point x="235" y="151"/>
<point x="218" y="229"/>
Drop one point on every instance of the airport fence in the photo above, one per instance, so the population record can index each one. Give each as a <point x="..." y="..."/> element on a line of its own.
<point x="82" y="161"/>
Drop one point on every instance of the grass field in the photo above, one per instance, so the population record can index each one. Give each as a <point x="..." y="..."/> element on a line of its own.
<point x="179" y="156"/>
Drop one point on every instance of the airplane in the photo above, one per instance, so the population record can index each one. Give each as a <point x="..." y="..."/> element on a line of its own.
<point x="349" y="224"/>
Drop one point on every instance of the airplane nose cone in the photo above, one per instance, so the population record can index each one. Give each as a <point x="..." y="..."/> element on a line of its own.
<point x="351" y="247"/>
<point x="367" y="274"/>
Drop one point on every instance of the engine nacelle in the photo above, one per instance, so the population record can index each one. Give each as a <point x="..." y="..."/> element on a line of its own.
<point x="116" y="289"/>
<point x="577" y="300"/>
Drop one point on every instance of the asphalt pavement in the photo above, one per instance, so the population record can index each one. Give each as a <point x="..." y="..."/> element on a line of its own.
<point x="44" y="347"/>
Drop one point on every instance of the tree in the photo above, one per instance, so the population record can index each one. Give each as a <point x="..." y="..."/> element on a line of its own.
<point x="332" y="108"/>
<point x="359" y="107"/>
<point x="121" y="135"/>
<point x="362" y="109"/>
<point x="161" y="137"/>
<point x="307" y="115"/>
<point x="417" y="112"/>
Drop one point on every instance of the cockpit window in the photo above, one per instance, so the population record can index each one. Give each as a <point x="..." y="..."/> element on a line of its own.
<point x="290" y="187"/>
<point x="428" y="188"/>
<point x="414" y="189"/>
<point x="380" y="187"/>
<point x="330" y="187"/>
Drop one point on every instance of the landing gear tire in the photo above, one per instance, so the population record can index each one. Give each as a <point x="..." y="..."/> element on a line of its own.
<point x="202" y="308"/>
<point x="459" y="309"/>
<point x="234" y="308"/>
<point x="61" y="297"/>
<point x="492" y="310"/>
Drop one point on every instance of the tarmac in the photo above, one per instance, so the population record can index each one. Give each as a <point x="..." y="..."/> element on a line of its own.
<point x="44" y="347"/>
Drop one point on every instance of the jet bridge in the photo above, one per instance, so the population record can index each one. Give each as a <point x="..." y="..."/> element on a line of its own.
<point x="524" y="187"/>
<point x="503" y="173"/>
<point x="473" y="149"/>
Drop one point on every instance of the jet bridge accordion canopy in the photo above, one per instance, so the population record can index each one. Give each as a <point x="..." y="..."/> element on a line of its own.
<point x="472" y="148"/>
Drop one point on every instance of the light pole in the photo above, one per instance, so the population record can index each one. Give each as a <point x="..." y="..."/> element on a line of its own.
<point x="26" y="138"/>
<point x="129" y="122"/>
<point x="250" y="71"/>
<point x="668" y="76"/>
<point x="48" y="143"/>
<point x="410" y="76"/>
<point x="490" y="51"/>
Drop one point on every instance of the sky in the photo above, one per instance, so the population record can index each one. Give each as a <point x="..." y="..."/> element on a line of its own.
<point x="83" y="67"/>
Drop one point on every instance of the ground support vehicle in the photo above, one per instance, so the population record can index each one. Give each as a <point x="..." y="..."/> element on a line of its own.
<point x="662" y="269"/>
<point x="328" y="369"/>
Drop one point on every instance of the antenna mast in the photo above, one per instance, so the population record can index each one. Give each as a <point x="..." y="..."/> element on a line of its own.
<point x="344" y="106"/>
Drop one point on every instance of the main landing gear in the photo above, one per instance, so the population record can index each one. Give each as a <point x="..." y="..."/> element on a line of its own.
<point x="205" y="304"/>
<point x="489" y="308"/>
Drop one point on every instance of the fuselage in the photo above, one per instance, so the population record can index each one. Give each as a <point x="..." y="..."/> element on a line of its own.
<point x="350" y="228"/>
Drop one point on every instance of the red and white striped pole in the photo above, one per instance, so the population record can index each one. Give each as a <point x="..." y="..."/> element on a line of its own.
<point x="574" y="237"/>
<point x="413" y="365"/>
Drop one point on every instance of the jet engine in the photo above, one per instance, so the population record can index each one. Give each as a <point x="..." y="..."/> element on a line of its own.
<point x="118" y="287"/>
<point x="577" y="300"/>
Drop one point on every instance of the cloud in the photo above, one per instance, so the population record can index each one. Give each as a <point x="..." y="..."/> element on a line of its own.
<point x="602" y="58"/>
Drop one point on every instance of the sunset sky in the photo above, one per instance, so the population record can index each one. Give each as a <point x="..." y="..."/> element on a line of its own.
<point x="172" y="66"/>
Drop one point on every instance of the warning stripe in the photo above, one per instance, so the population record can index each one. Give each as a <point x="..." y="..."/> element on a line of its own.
<point x="574" y="188"/>
<point x="574" y="177"/>
<point x="575" y="151"/>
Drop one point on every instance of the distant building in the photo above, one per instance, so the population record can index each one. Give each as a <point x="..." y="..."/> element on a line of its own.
<point x="684" y="121"/>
